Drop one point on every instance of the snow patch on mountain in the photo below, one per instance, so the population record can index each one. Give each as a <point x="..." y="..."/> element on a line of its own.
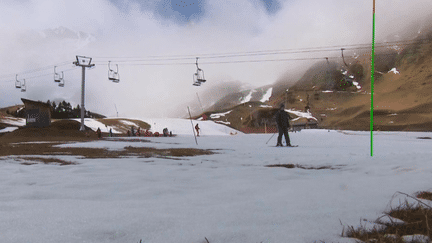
<point x="218" y="115"/>
<point x="394" y="70"/>
<point x="267" y="95"/>
<point x="8" y="129"/>
<point x="301" y="114"/>
<point x="14" y="121"/>
<point x="248" y="97"/>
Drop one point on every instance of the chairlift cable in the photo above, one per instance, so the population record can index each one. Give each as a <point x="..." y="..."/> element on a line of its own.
<point x="34" y="70"/>
<point x="255" y="53"/>
<point x="220" y="55"/>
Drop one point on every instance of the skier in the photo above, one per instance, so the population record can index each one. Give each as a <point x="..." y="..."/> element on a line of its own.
<point x="133" y="131"/>
<point x="282" y="120"/>
<point x="99" y="133"/>
<point x="197" y="129"/>
<point x="110" y="132"/>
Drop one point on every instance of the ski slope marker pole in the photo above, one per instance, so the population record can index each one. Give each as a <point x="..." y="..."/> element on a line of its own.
<point x="372" y="80"/>
<point x="192" y="126"/>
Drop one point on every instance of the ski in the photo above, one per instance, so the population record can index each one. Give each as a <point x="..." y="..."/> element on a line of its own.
<point x="292" y="146"/>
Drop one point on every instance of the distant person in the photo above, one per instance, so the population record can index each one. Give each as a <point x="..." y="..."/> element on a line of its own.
<point x="110" y="132"/>
<point x="197" y="128"/>
<point x="133" y="131"/>
<point x="128" y="133"/>
<point x="282" y="120"/>
<point x="165" y="132"/>
<point x="139" y="132"/>
<point x="99" y="133"/>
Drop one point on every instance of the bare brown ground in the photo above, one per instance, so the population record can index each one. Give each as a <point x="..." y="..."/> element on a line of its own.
<point x="36" y="160"/>
<point x="291" y="166"/>
<point x="23" y="142"/>
<point x="7" y="149"/>
<point x="416" y="217"/>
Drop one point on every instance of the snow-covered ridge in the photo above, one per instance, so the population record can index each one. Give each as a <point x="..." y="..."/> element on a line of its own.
<point x="267" y="95"/>
<point x="394" y="70"/>
<point x="218" y="115"/>
<point x="13" y="121"/>
<point x="184" y="126"/>
<point x="94" y="125"/>
<point x="8" y="129"/>
<point x="248" y="97"/>
<point x="301" y="114"/>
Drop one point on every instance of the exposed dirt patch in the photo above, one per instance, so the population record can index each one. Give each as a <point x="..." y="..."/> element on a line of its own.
<point x="424" y="138"/>
<point x="415" y="220"/>
<point x="291" y="166"/>
<point x="425" y="195"/>
<point x="41" y="141"/>
<point x="7" y="149"/>
<point x="123" y="127"/>
<point x="63" y="130"/>
<point x="36" y="160"/>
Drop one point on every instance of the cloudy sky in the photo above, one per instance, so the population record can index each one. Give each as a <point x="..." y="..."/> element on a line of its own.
<point x="155" y="43"/>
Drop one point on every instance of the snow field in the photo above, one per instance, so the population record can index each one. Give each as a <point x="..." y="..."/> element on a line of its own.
<point x="227" y="197"/>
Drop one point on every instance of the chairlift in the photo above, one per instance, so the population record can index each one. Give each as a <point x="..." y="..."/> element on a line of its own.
<point x="343" y="58"/>
<point x="62" y="82"/>
<point x="23" y="86"/>
<point x="199" y="73"/>
<point x="57" y="77"/>
<point x="17" y="83"/>
<point x="195" y="80"/>
<point x="113" y="75"/>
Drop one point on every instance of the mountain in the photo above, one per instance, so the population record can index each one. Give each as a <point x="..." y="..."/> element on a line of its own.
<point x="337" y="94"/>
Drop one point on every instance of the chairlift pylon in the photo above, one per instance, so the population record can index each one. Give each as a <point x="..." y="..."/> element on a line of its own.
<point x="17" y="83"/>
<point x="62" y="82"/>
<point x="113" y="75"/>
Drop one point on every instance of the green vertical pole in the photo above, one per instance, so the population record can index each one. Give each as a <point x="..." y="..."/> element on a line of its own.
<point x="372" y="80"/>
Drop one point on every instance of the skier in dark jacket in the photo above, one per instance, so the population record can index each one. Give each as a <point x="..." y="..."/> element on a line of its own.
<point x="99" y="133"/>
<point x="282" y="118"/>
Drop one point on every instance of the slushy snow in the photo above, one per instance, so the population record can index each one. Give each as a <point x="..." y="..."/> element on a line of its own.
<point x="229" y="196"/>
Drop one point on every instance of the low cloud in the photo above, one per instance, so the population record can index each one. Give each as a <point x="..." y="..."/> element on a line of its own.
<point x="126" y="31"/>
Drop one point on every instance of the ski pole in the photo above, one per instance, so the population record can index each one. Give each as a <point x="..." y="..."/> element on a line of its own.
<point x="270" y="138"/>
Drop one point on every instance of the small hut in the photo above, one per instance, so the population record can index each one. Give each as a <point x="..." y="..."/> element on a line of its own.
<point x="38" y="114"/>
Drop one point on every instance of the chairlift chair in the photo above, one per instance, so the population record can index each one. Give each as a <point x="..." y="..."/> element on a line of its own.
<point x="23" y="86"/>
<point x="62" y="82"/>
<point x="343" y="58"/>
<point x="199" y="73"/>
<point x="196" y="82"/>
<point x="17" y="83"/>
<point x="57" y="78"/>
<point x="113" y="75"/>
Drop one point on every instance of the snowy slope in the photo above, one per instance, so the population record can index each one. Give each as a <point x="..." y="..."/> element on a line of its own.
<point x="184" y="126"/>
<point x="226" y="197"/>
<point x="8" y="129"/>
<point x="13" y="121"/>
<point x="94" y="125"/>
